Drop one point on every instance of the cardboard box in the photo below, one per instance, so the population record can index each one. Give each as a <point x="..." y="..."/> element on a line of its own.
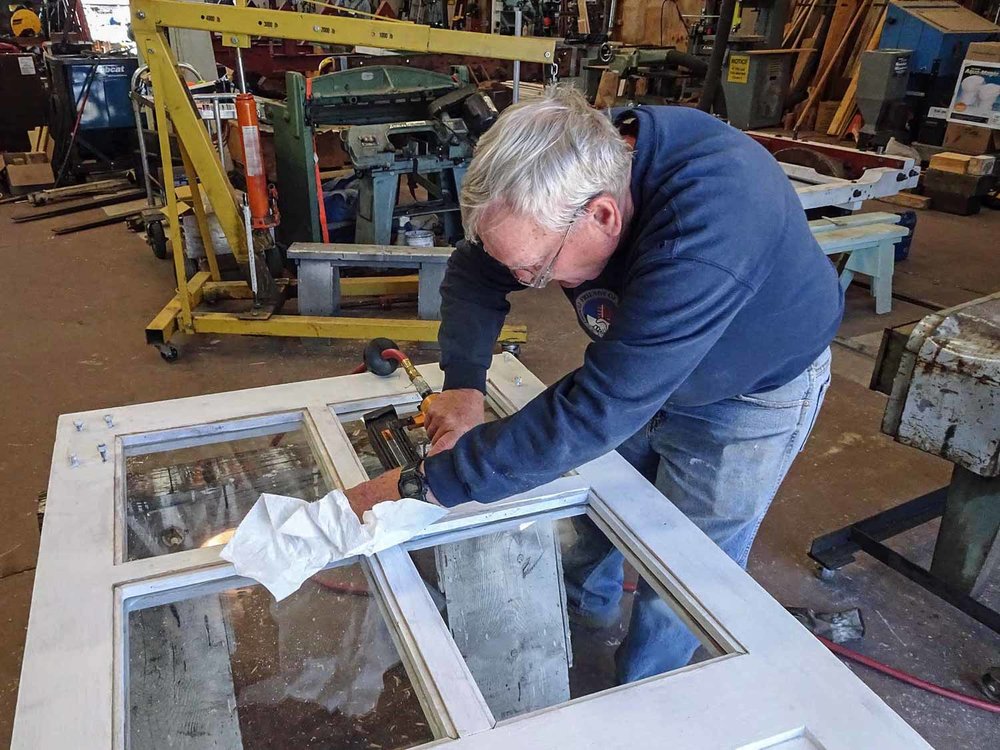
<point x="984" y="51"/>
<point x="971" y="139"/>
<point x="26" y="171"/>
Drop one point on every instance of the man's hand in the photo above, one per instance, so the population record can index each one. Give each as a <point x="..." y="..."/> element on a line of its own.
<point x="367" y="494"/>
<point x="451" y="414"/>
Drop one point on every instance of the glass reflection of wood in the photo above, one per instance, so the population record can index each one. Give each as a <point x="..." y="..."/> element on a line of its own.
<point x="192" y="497"/>
<point x="239" y="671"/>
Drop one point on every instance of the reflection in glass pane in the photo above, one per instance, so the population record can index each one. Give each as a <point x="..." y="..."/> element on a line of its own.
<point x="540" y="610"/>
<point x="355" y="429"/>
<point x="234" y="669"/>
<point x="181" y="496"/>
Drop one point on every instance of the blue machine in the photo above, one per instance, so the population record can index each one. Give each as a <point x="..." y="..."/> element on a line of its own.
<point x="938" y="31"/>
<point x="106" y="137"/>
<point x="108" y="102"/>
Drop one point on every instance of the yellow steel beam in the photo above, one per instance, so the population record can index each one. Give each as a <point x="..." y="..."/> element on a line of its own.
<point x="313" y="326"/>
<point x="171" y="93"/>
<point x="360" y="286"/>
<point x="200" y="214"/>
<point x="159" y="75"/>
<point x="375" y="286"/>
<point x="150" y="15"/>
<point x="162" y="328"/>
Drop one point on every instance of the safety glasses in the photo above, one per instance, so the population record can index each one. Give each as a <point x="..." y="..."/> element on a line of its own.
<point x="539" y="279"/>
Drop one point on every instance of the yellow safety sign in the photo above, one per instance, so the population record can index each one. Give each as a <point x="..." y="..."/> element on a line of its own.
<point x="739" y="69"/>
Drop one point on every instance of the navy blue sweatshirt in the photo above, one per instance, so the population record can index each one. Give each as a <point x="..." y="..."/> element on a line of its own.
<point x="717" y="289"/>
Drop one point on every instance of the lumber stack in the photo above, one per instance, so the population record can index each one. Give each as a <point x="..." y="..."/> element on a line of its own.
<point x="833" y="38"/>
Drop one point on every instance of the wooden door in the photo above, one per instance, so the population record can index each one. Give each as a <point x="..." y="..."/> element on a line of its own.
<point x="140" y="636"/>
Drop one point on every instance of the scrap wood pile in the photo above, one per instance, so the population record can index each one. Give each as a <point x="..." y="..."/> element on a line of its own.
<point x="832" y="35"/>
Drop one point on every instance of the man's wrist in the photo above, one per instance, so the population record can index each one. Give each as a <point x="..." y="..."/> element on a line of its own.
<point x="428" y="492"/>
<point x="412" y="482"/>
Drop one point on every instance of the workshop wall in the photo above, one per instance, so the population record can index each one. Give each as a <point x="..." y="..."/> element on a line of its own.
<point x="656" y="22"/>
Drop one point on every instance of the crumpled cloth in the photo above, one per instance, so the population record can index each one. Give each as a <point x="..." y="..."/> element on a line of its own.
<point x="283" y="540"/>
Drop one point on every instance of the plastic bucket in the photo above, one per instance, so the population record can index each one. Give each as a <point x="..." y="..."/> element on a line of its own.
<point x="420" y="238"/>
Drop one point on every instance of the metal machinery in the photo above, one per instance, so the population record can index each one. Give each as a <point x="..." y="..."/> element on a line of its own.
<point x="402" y="122"/>
<point x="942" y="376"/>
<point x="880" y="95"/>
<point x="653" y="75"/>
<point x="939" y="33"/>
<point x="758" y="72"/>
<point x="567" y="19"/>
<point x="248" y="228"/>
<point x="92" y="124"/>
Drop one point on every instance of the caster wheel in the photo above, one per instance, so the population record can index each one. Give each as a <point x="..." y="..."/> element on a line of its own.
<point x="514" y="349"/>
<point x="169" y="352"/>
<point x="157" y="239"/>
<point x="825" y="574"/>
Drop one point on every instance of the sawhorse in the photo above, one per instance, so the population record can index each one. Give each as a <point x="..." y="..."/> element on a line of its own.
<point x="869" y="240"/>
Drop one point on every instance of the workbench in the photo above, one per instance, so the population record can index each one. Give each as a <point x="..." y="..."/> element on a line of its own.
<point x="319" y="267"/>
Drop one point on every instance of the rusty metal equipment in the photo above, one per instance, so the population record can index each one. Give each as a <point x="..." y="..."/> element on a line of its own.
<point x="942" y="376"/>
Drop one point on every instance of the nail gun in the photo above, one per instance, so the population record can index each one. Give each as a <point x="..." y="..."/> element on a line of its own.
<point x="387" y="430"/>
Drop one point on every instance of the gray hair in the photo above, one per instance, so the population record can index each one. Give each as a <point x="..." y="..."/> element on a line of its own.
<point x="545" y="159"/>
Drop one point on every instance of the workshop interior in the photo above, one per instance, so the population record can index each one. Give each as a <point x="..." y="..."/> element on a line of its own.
<point x="229" y="231"/>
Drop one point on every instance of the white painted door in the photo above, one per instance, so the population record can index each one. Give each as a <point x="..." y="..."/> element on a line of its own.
<point x="141" y="637"/>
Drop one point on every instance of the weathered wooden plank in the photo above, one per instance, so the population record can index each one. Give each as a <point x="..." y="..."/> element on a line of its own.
<point x="180" y="683"/>
<point x="506" y="610"/>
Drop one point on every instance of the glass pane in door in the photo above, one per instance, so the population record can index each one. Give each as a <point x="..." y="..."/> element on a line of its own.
<point x="187" y="492"/>
<point x="231" y="668"/>
<point x="546" y="609"/>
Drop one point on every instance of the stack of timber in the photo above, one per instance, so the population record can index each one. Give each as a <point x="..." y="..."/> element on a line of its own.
<point x="832" y="37"/>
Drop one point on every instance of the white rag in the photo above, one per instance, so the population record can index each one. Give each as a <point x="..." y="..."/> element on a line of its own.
<point x="283" y="540"/>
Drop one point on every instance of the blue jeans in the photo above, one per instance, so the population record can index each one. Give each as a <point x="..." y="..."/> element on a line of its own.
<point x="721" y="465"/>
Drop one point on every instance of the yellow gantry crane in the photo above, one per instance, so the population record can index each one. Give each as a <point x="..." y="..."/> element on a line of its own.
<point x="174" y="107"/>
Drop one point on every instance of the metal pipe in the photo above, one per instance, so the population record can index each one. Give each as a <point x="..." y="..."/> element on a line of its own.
<point x="143" y="154"/>
<point x="217" y="111"/>
<point x="516" y="95"/>
<point x="239" y="71"/>
<point x="251" y="255"/>
<point x="714" y="74"/>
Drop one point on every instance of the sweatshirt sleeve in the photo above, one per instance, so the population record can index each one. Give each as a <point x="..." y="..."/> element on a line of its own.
<point x="672" y="313"/>
<point x="473" y="308"/>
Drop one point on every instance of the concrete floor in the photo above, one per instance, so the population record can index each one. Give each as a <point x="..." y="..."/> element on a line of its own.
<point x="74" y="308"/>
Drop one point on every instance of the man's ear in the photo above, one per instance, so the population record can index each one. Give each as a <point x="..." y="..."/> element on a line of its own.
<point x="607" y="214"/>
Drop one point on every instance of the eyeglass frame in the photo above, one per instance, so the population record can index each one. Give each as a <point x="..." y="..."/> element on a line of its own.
<point x="541" y="279"/>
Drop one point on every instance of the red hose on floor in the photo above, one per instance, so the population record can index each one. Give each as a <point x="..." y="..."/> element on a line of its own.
<point x="909" y="679"/>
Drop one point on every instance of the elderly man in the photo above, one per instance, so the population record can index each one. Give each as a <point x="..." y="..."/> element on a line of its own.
<point x="685" y="253"/>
